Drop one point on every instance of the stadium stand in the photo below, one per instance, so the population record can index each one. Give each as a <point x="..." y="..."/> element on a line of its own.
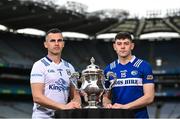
<point x="18" y="109"/>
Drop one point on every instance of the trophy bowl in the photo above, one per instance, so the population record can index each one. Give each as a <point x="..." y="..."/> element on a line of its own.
<point x="92" y="84"/>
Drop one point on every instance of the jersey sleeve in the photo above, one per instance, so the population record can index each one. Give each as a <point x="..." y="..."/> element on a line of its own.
<point x="147" y="73"/>
<point x="72" y="68"/>
<point x="37" y="73"/>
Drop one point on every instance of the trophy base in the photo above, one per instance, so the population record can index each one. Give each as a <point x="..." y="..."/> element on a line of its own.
<point x="92" y="105"/>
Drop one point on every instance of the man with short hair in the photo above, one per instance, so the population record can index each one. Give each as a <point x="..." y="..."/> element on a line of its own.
<point x="134" y="88"/>
<point x="49" y="79"/>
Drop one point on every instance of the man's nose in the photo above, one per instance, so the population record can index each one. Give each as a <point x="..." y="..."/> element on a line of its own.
<point x="56" y="42"/>
<point x="122" y="46"/>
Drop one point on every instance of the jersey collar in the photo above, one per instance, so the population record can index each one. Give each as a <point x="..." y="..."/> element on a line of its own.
<point x="48" y="59"/>
<point x="133" y="58"/>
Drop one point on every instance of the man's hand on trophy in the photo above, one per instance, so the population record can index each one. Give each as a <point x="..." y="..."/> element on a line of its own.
<point x="72" y="105"/>
<point x="107" y="105"/>
<point x="77" y="104"/>
<point x="118" y="106"/>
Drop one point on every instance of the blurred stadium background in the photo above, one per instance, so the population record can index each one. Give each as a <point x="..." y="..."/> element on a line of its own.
<point x="18" y="51"/>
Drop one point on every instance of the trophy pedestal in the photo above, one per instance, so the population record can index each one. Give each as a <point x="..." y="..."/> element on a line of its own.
<point x="92" y="105"/>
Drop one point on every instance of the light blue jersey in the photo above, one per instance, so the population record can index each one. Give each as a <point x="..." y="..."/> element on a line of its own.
<point x="129" y="85"/>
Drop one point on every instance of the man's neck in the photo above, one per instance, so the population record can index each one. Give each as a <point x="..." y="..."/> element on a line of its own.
<point x="55" y="58"/>
<point x="125" y="60"/>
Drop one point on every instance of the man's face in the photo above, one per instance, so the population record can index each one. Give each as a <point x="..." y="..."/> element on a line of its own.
<point x="54" y="43"/>
<point x="123" y="47"/>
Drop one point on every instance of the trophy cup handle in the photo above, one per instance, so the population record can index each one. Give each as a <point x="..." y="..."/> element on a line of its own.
<point x="110" y="74"/>
<point x="74" y="77"/>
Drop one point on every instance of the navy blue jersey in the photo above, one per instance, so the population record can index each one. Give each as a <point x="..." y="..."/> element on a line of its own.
<point x="130" y="80"/>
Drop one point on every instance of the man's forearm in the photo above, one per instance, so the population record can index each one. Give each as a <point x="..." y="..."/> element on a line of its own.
<point x="141" y="102"/>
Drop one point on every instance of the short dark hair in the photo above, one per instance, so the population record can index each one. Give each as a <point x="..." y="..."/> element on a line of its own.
<point x="123" y="35"/>
<point x="53" y="30"/>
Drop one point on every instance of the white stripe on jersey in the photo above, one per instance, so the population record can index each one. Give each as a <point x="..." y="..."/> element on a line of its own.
<point x="137" y="63"/>
<point x="113" y="65"/>
<point x="128" y="82"/>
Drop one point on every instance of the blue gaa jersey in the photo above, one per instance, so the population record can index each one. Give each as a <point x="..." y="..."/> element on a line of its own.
<point x="55" y="78"/>
<point x="130" y="80"/>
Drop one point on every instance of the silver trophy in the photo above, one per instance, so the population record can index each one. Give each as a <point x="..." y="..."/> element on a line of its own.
<point x="92" y="84"/>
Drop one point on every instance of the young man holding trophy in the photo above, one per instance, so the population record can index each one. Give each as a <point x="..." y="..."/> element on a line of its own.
<point x="134" y="88"/>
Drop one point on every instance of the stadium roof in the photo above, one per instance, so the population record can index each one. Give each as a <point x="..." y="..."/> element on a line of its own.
<point x="16" y="14"/>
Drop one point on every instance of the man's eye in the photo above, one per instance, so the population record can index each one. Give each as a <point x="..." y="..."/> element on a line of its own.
<point x="60" y="40"/>
<point x="52" y="40"/>
<point x="126" y="43"/>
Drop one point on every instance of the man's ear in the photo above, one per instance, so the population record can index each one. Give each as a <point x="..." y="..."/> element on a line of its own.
<point x="114" y="46"/>
<point x="63" y="44"/>
<point x="132" y="46"/>
<point x="45" y="44"/>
